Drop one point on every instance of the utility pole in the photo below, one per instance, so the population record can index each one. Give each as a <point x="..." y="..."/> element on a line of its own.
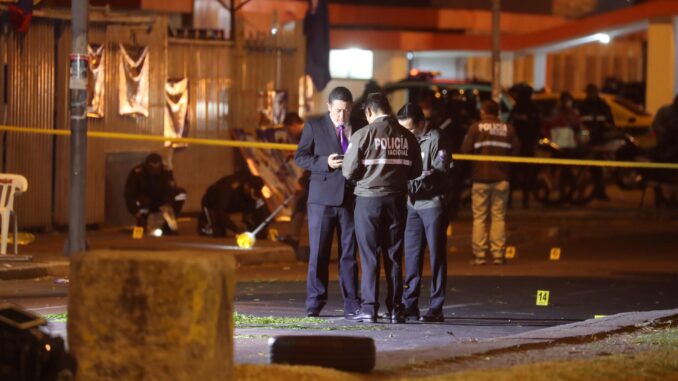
<point x="78" y="110"/>
<point x="496" y="51"/>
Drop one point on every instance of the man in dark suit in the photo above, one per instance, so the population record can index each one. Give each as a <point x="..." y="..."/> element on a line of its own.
<point x="330" y="204"/>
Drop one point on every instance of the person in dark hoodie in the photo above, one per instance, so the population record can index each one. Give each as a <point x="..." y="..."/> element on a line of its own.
<point x="526" y="121"/>
<point x="596" y="119"/>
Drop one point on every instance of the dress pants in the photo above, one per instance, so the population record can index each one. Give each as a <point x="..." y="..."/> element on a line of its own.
<point x="380" y="224"/>
<point x="425" y="226"/>
<point x="323" y="221"/>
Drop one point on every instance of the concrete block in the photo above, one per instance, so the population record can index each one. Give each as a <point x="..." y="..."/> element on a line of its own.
<point x="152" y="315"/>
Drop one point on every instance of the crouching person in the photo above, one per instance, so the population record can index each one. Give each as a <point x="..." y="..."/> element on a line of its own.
<point x="150" y="188"/>
<point x="236" y="193"/>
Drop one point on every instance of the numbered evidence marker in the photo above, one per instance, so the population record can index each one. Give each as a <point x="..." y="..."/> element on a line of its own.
<point x="542" y="298"/>
<point x="510" y="252"/>
<point x="555" y="254"/>
<point x="137" y="232"/>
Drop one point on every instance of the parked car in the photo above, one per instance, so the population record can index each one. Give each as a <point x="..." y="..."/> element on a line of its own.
<point x="627" y="115"/>
<point x="429" y="91"/>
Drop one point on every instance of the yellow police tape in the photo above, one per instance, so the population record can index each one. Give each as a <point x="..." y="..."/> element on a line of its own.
<point x="292" y="147"/>
<point x="152" y="138"/>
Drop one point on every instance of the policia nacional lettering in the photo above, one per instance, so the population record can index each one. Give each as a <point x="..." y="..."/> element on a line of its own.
<point x="394" y="146"/>
<point x="382" y="158"/>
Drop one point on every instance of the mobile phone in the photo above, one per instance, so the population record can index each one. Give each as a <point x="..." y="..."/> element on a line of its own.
<point x="339" y="157"/>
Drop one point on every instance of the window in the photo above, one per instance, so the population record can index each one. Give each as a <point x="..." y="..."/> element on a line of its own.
<point x="351" y="63"/>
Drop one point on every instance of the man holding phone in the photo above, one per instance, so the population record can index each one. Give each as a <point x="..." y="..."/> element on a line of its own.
<point x="330" y="204"/>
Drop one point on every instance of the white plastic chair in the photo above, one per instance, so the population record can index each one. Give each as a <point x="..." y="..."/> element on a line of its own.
<point x="10" y="184"/>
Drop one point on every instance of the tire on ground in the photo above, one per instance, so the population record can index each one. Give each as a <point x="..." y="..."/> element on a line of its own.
<point x="347" y="353"/>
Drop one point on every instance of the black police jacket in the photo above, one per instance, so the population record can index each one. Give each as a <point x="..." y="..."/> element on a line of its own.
<point x="435" y="166"/>
<point x="491" y="137"/>
<point x="382" y="158"/>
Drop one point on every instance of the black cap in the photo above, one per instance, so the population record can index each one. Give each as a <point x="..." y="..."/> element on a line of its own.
<point x="411" y="111"/>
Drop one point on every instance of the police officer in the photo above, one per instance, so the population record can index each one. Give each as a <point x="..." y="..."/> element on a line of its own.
<point x="596" y="117"/>
<point x="426" y="218"/>
<point x="236" y="193"/>
<point x="490" y="190"/>
<point x="150" y="188"/>
<point x="382" y="157"/>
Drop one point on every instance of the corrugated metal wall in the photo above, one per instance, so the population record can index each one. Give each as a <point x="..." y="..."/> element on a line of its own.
<point x="38" y="97"/>
<point x="153" y="36"/>
<point x="29" y="93"/>
<point x="207" y="65"/>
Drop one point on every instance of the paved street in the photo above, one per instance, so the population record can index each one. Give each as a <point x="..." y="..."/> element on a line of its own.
<point x="607" y="266"/>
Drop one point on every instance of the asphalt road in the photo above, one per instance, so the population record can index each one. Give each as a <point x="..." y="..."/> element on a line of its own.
<point x="607" y="266"/>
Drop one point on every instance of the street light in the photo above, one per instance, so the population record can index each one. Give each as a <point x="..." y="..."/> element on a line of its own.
<point x="603" y="38"/>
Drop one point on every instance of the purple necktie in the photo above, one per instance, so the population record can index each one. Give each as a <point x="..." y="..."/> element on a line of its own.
<point x="343" y="142"/>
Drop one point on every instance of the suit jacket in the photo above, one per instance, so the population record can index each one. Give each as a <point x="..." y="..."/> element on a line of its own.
<point x="318" y="141"/>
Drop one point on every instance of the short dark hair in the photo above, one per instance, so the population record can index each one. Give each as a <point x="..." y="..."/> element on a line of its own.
<point x="591" y="87"/>
<point x="292" y="118"/>
<point x="378" y="102"/>
<point x="411" y="111"/>
<point x="153" y="158"/>
<point x="490" y="107"/>
<point x="257" y="184"/>
<point x="340" y="93"/>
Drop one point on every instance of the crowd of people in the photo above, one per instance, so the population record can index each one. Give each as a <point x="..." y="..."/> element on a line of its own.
<point x="386" y="185"/>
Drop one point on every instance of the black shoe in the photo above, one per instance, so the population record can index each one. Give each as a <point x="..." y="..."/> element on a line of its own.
<point x="365" y="317"/>
<point x="312" y="313"/>
<point x="385" y="315"/>
<point x="411" y="314"/>
<point x="433" y="317"/>
<point x="397" y="318"/>
<point x="351" y="315"/>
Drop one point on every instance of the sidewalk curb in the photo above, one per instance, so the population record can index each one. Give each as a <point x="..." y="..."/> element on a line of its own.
<point x="585" y="330"/>
<point x="61" y="268"/>
<point x="34" y="270"/>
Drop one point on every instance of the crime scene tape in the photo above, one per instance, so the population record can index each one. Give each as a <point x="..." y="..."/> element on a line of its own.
<point x="153" y="138"/>
<point x="293" y="147"/>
